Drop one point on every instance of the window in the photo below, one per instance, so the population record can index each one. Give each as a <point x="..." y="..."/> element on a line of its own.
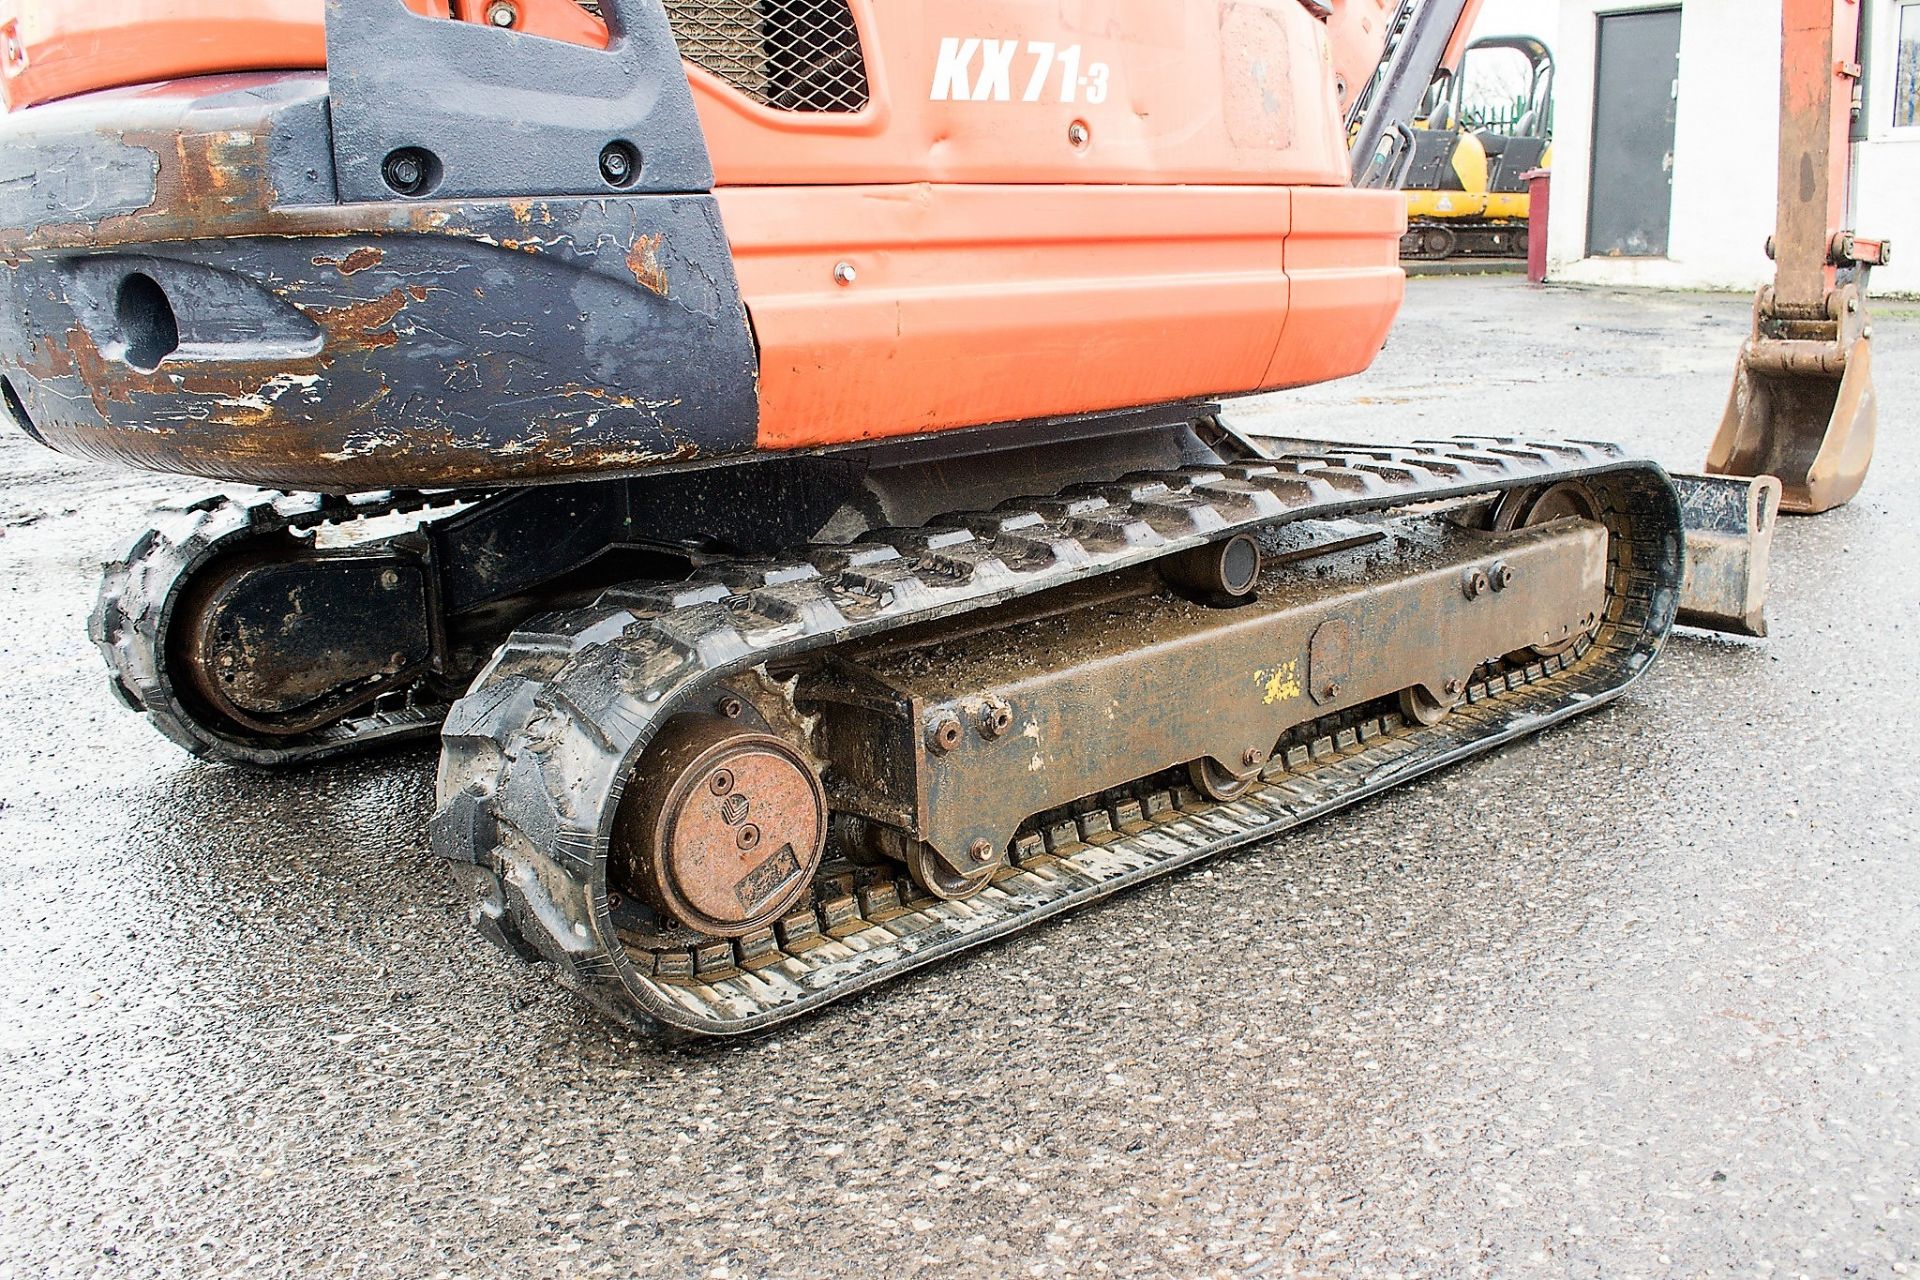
<point x="1498" y="87"/>
<point x="1906" y="69"/>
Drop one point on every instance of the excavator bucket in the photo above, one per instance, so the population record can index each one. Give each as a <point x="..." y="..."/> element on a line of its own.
<point x="1802" y="406"/>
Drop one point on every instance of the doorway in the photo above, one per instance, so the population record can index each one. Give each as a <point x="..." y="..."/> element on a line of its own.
<point x="1636" y="91"/>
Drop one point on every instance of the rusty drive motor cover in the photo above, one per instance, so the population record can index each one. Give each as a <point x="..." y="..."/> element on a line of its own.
<point x="723" y="827"/>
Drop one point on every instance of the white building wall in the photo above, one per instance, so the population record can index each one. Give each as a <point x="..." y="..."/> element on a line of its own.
<point x="1726" y="136"/>
<point x="1537" y="18"/>
<point x="1726" y="145"/>
<point x="1886" y="187"/>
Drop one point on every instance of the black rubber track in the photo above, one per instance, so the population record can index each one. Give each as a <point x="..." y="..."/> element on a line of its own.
<point x="138" y="593"/>
<point x="536" y="756"/>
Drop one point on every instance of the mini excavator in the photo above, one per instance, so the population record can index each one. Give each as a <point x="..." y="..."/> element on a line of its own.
<point x="775" y="445"/>
<point x="1467" y="179"/>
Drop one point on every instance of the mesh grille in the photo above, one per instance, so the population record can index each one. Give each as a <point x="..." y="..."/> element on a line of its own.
<point x="791" y="55"/>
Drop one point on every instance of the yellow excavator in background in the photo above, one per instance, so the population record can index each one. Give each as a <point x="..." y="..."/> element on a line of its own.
<point x="1483" y="127"/>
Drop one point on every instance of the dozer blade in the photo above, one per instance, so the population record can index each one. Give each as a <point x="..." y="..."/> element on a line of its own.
<point x="1802" y="406"/>
<point x="1729" y="522"/>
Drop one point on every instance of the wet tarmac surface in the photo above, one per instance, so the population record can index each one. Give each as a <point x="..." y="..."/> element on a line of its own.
<point x="1635" y="998"/>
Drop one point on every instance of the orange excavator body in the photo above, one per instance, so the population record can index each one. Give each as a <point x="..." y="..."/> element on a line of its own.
<point x="772" y="443"/>
<point x="1003" y="212"/>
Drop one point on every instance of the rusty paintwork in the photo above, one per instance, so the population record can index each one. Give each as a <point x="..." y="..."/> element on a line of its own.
<point x="309" y="344"/>
<point x="1131" y="680"/>
<point x="643" y="260"/>
<point x="359" y="260"/>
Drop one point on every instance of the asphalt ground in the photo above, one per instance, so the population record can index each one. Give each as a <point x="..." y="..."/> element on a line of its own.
<point x="1634" y="998"/>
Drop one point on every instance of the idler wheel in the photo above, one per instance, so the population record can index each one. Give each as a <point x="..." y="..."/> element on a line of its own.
<point x="876" y="844"/>
<point x="1524" y="508"/>
<point x="1216" y="784"/>
<point x="1421" y="707"/>
<point x="722" y="827"/>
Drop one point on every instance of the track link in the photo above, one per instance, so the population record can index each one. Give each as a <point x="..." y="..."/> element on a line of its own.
<point x="535" y="757"/>
<point x="138" y="592"/>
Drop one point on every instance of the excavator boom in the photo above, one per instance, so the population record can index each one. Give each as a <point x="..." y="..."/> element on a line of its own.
<point x="1802" y="406"/>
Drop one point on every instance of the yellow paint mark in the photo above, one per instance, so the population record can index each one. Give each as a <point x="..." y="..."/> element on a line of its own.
<point x="1279" y="684"/>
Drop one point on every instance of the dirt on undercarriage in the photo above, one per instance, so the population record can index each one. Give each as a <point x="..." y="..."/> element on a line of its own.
<point x="1631" y="998"/>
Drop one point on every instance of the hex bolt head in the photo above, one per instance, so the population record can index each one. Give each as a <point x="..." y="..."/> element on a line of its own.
<point x="844" y="273"/>
<point x="389" y="579"/>
<point x="1079" y="135"/>
<point x="619" y="163"/>
<point x="1455" y="687"/>
<point x="996" y="717"/>
<point x="980" y="851"/>
<point x="944" y="732"/>
<point x="1500" y="575"/>
<point x="405" y="171"/>
<point x="502" y="13"/>
<point x="1250" y="757"/>
<point x="1473" y="583"/>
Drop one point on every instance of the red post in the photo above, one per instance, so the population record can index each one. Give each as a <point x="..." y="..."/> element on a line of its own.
<point x="1539" y="181"/>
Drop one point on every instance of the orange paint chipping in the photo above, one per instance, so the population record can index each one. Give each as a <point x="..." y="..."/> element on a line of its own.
<point x="644" y="261"/>
<point x="358" y="260"/>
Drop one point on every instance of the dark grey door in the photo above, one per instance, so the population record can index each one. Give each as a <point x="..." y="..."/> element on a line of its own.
<point x="1637" y="65"/>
